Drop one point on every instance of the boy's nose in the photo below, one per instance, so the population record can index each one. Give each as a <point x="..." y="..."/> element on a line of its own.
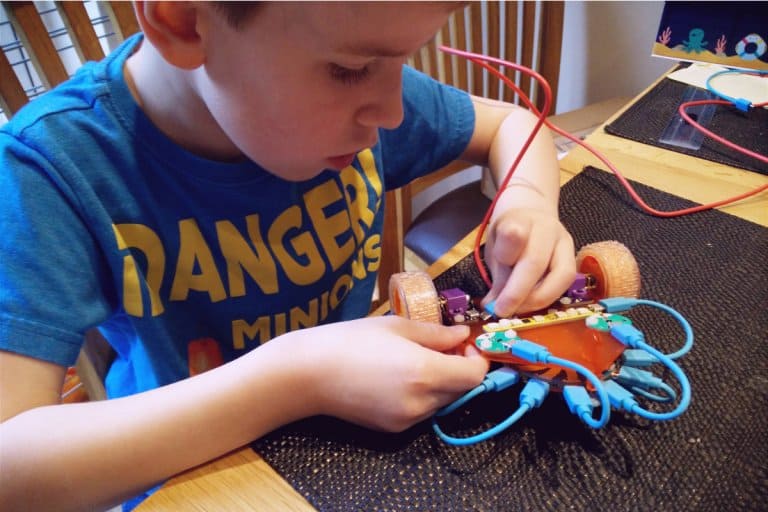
<point x="383" y="108"/>
<point x="385" y="113"/>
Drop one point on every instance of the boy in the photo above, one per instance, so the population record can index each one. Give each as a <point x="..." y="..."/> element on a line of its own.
<point x="215" y="184"/>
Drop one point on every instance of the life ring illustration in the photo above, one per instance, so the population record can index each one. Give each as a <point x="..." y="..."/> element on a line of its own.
<point x="751" y="47"/>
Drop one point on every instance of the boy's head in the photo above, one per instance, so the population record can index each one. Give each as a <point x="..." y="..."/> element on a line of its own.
<point x="296" y="87"/>
<point x="237" y="14"/>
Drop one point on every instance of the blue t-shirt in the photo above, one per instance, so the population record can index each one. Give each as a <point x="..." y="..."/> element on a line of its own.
<point x="184" y="263"/>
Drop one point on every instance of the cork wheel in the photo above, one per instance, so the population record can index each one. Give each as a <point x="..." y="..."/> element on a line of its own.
<point x="614" y="268"/>
<point x="413" y="295"/>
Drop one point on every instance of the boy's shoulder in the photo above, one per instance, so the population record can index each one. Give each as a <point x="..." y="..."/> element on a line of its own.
<point x="76" y="94"/>
<point x="71" y="100"/>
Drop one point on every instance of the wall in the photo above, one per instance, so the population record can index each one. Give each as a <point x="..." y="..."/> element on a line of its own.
<point x="607" y="51"/>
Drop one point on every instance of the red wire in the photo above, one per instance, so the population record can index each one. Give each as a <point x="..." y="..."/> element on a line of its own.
<point x="480" y="59"/>
<point x="623" y="180"/>
<point x="483" y="61"/>
<point x="712" y="135"/>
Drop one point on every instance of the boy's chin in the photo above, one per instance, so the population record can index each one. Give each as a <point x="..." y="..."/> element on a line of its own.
<point x="298" y="174"/>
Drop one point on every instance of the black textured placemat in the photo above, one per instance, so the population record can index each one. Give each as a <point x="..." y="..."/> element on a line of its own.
<point x="711" y="267"/>
<point x="647" y="118"/>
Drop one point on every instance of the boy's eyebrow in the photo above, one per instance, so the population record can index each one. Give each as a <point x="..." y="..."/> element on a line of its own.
<point x="376" y="50"/>
<point x="372" y="50"/>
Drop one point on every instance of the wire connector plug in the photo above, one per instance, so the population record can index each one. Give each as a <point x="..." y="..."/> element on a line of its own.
<point x="619" y="397"/>
<point x="628" y="334"/>
<point x="501" y="379"/>
<point x="742" y="104"/>
<point x="638" y="358"/>
<point x="578" y="400"/>
<point x="530" y="351"/>
<point x="634" y="377"/>
<point x="534" y="393"/>
<point x="617" y="304"/>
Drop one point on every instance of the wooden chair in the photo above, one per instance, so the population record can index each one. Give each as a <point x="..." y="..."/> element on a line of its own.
<point x="529" y="33"/>
<point x="40" y="49"/>
<point x="41" y="53"/>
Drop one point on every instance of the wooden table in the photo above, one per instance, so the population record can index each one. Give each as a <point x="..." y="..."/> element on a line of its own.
<point x="242" y="480"/>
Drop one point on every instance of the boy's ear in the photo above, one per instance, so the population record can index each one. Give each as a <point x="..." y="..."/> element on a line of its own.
<point x="171" y="27"/>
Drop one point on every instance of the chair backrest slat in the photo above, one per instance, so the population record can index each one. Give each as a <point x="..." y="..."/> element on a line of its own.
<point x="12" y="95"/>
<point x="510" y="44"/>
<point x="532" y="38"/>
<point x="123" y="19"/>
<point x="80" y="29"/>
<point x="461" y="42"/>
<point x="34" y="36"/>
<point x="552" y="24"/>
<point x="529" y="29"/>
<point x="493" y="36"/>
<point x="476" y="15"/>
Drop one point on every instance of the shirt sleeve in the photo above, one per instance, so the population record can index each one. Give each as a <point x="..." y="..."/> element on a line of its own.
<point x="51" y="270"/>
<point x="438" y="123"/>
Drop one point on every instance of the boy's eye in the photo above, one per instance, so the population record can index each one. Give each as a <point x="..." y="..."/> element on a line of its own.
<point x="348" y="76"/>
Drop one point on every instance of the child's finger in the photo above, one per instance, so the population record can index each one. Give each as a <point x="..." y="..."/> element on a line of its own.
<point x="561" y="274"/>
<point x="434" y="336"/>
<point x="459" y="373"/>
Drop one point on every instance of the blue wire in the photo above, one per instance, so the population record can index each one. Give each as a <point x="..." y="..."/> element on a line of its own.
<point x="605" y="404"/>
<point x="741" y="103"/>
<point x="680" y="319"/>
<point x="685" y="387"/>
<point x="483" y="436"/>
<point x="479" y="390"/>
<point x="671" y="395"/>
<point x="665" y="359"/>
<point x="497" y="380"/>
<point x="717" y="93"/>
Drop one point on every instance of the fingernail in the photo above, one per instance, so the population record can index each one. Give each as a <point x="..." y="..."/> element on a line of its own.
<point x="490" y="307"/>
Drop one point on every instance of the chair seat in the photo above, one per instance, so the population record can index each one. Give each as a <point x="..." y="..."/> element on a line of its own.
<point x="446" y="221"/>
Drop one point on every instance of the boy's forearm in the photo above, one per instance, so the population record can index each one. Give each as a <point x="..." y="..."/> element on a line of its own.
<point x="93" y="455"/>
<point x="535" y="182"/>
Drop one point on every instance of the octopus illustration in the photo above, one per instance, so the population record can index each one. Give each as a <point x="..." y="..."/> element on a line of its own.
<point x="695" y="41"/>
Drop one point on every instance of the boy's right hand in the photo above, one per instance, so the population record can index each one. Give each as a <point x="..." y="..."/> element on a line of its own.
<point x="385" y="373"/>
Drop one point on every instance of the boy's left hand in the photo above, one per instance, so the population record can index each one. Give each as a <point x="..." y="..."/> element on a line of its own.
<point x="531" y="257"/>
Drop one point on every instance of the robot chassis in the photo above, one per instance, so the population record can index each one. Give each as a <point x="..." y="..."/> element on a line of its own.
<point x="581" y="346"/>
